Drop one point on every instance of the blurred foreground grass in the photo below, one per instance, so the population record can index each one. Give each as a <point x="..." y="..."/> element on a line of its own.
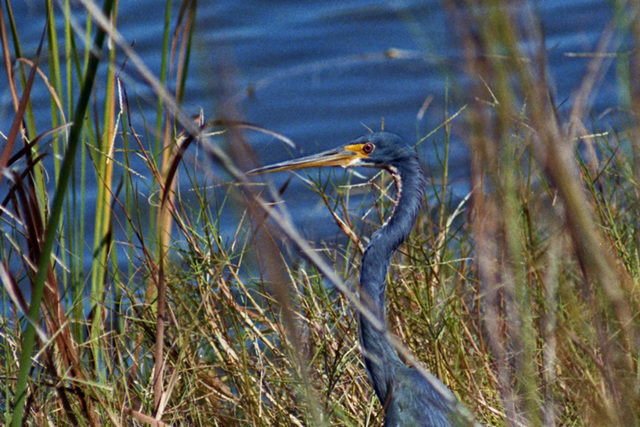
<point x="523" y="298"/>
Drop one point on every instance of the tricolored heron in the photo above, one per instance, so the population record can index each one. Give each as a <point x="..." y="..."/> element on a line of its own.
<point x="408" y="397"/>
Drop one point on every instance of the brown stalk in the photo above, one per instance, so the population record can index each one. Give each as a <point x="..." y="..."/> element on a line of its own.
<point x="20" y="106"/>
<point x="26" y="206"/>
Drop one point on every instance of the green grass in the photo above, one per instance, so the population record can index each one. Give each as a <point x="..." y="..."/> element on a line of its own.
<point x="522" y="298"/>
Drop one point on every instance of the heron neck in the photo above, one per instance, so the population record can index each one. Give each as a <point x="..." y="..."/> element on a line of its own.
<point x="380" y="356"/>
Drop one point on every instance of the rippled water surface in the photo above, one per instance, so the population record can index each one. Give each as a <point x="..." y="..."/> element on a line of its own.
<point x="319" y="72"/>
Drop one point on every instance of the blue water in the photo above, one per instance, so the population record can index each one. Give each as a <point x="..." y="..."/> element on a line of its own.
<point x="318" y="72"/>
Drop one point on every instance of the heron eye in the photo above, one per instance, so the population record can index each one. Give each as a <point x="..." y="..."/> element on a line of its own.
<point x="368" y="148"/>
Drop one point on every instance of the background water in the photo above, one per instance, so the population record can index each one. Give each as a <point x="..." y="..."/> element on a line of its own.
<point x="319" y="72"/>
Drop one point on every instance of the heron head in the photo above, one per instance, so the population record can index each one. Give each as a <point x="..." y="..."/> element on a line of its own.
<point x="378" y="149"/>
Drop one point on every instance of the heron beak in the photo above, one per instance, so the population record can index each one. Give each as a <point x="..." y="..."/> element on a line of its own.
<point x="345" y="156"/>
